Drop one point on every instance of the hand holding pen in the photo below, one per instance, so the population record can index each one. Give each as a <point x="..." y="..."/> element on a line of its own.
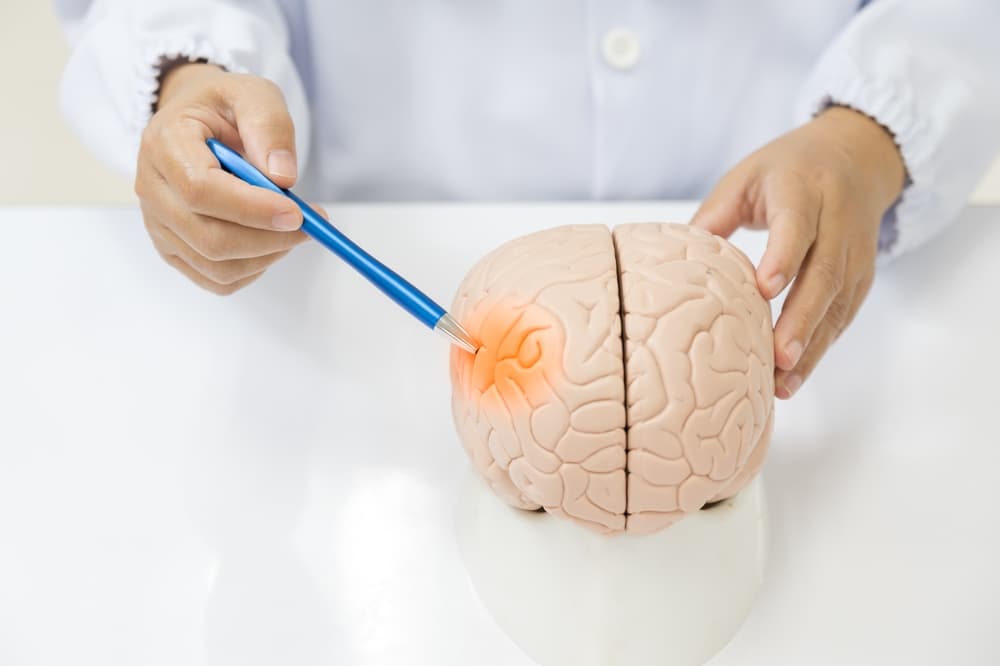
<point x="217" y="229"/>
<point x="219" y="232"/>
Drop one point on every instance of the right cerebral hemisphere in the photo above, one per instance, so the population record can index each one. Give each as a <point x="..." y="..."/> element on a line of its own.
<point x="624" y="379"/>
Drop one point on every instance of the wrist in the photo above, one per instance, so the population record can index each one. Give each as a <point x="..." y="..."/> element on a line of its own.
<point x="175" y="77"/>
<point x="871" y="147"/>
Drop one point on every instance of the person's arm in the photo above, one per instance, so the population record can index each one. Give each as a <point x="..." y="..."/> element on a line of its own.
<point x="111" y="81"/>
<point x="929" y="72"/>
<point x="132" y="59"/>
<point x="907" y="104"/>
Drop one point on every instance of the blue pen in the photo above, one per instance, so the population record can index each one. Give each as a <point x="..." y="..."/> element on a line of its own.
<point x="388" y="281"/>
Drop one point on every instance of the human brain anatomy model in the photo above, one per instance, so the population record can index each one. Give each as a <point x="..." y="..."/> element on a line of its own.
<point x="624" y="378"/>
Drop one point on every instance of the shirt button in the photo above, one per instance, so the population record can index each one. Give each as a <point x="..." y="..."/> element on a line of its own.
<point x="620" y="48"/>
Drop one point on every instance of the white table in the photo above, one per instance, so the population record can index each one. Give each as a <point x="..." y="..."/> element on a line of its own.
<point x="188" y="480"/>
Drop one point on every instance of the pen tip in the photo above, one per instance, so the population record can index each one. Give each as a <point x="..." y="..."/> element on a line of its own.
<point x="451" y="329"/>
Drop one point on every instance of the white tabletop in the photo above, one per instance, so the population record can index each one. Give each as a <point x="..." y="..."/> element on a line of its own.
<point x="261" y="479"/>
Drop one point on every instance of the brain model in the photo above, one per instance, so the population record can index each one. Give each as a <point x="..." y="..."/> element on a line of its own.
<point x="624" y="380"/>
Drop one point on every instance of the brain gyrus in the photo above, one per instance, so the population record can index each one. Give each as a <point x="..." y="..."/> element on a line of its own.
<point x="520" y="354"/>
<point x="623" y="381"/>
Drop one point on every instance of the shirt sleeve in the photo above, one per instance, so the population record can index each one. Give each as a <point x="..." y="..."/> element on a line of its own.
<point x="927" y="71"/>
<point x="110" y="82"/>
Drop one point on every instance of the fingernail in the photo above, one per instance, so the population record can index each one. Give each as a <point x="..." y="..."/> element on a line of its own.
<point x="281" y="163"/>
<point x="287" y="221"/>
<point x="793" y="351"/>
<point x="775" y="284"/>
<point x="792" y="384"/>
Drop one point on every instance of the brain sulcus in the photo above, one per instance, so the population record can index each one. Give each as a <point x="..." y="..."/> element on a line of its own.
<point x="624" y="379"/>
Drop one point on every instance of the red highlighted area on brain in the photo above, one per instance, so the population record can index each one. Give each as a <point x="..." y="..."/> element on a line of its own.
<point x="624" y="380"/>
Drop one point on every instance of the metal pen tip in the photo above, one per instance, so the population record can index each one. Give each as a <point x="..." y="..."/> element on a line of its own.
<point x="457" y="335"/>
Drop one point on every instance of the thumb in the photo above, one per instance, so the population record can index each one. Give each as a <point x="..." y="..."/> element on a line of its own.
<point x="265" y="128"/>
<point x="726" y="208"/>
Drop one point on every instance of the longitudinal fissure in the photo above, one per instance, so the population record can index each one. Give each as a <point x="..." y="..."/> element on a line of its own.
<point x="625" y="379"/>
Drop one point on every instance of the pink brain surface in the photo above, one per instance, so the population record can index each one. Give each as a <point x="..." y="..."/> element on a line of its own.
<point x="700" y="368"/>
<point x="624" y="380"/>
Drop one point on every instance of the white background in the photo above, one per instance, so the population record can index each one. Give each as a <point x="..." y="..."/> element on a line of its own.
<point x="271" y="478"/>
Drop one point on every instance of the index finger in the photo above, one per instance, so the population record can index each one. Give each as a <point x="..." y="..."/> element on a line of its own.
<point x="793" y="210"/>
<point x="727" y="207"/>
<point x="189" y="167"/>
<point x="820" y="281"/>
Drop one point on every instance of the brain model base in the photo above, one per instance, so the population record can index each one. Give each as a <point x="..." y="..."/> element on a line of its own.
<point x="625" y="378"/>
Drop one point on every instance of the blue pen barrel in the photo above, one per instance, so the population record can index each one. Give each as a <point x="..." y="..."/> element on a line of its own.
<point x="388" y="281"/>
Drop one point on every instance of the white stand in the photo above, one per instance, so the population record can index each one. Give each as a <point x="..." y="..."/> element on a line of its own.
<point x="566" y="595"/>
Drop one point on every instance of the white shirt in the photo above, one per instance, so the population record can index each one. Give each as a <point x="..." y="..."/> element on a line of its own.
<point x="564" y="99"/>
